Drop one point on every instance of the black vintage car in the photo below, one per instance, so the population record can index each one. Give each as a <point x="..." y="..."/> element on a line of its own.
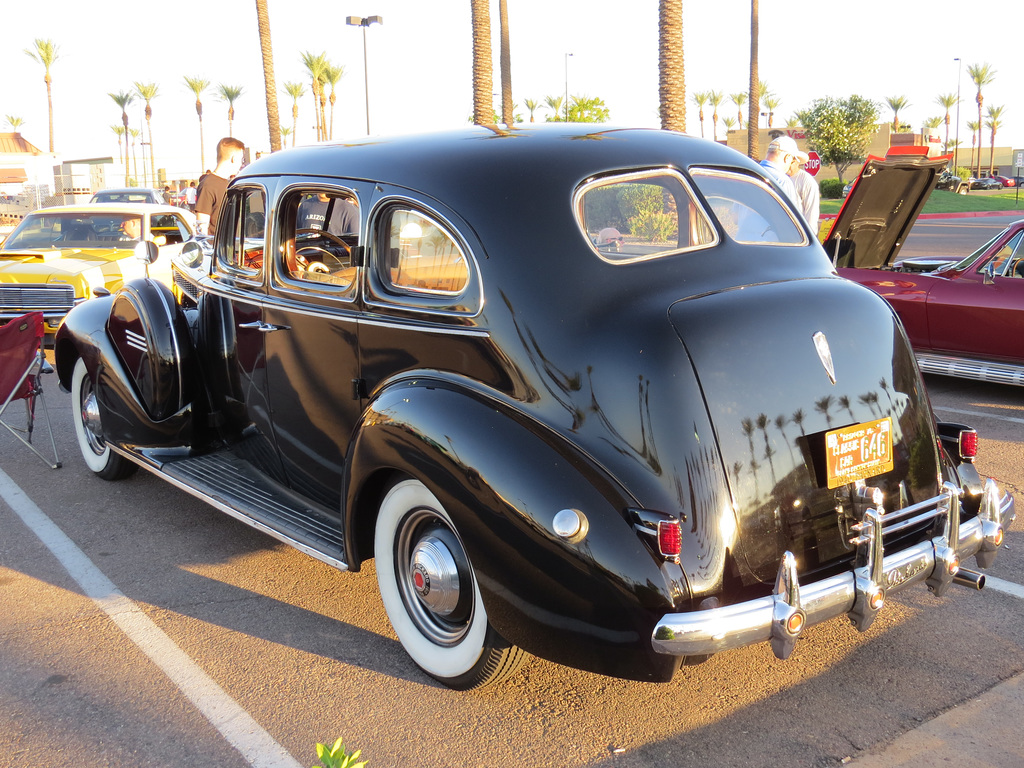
<point x="596" y="395"/>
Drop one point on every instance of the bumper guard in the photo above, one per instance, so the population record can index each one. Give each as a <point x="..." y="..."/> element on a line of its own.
<point x="860" y="593"/>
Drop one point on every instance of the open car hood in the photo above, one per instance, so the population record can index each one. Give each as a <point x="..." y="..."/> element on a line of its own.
<point x="882" y="206"/>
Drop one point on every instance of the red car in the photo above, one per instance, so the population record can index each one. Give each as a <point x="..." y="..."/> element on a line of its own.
<point x="1006" y="181"/>
<point x="963" y="318"/>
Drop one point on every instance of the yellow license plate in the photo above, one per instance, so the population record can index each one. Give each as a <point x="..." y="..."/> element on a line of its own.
<point x="858" y="452"/>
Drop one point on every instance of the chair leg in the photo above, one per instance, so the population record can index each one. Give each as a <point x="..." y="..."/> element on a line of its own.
<point x="55" y="463"/>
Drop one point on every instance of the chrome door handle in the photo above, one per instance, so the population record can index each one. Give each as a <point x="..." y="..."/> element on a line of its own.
<point x="262" y="327"/>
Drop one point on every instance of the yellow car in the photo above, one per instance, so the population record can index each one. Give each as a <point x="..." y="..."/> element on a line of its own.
<point x="59" y="257"/>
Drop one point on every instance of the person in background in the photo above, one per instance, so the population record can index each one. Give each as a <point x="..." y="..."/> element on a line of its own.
<point x="807" y="191"/>
<point x="190" y="196"/>
<point x="214" y="185"/>
<point x="166" y="195"/>
<point x="780" y="154"/>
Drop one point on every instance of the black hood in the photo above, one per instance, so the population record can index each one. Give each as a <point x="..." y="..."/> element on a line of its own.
<point x="882" y="206"/>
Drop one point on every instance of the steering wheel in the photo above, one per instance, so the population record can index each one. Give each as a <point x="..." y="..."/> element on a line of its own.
<point x="324" y="233"/>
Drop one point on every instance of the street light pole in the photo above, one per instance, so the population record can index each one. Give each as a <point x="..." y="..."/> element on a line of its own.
<point x="358" y="21"/>
<point x="567" y="86"/>
<point x="956" y="149"/>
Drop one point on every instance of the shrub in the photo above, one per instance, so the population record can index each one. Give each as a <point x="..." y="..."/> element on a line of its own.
<point x="831" y="189"/>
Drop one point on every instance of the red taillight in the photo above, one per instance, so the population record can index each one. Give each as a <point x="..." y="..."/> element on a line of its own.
<point x="670" y="538"/>
<point x="968" y="444"/>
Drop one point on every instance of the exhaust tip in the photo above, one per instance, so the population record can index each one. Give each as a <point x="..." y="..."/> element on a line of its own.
<point x="969" y="579"/>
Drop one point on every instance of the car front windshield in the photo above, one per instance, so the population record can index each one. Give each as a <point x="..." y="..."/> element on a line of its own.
<point x="968" y="260"/>
<point x="75" y="230"/>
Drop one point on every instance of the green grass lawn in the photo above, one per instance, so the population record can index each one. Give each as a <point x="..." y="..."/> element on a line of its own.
<point x="942" y="201"/>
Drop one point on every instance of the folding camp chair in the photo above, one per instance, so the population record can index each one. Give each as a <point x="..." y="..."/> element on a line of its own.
<point x="21" y="364"/>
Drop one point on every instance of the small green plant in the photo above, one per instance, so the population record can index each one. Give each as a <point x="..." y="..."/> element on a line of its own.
<point x="337" y="757"/>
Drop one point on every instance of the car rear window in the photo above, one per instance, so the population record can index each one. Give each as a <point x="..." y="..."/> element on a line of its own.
<point x="747" y="209"/>
<point x="642" y="215"/>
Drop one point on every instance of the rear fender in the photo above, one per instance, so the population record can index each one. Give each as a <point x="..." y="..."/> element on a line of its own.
<point x="589" y="603"/>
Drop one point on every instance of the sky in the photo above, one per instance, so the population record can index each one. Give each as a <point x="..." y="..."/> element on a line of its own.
<point x="420" y="58"/>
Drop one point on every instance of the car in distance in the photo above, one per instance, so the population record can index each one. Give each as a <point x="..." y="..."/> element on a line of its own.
<point x="941" y="300"/>
<point x="986" y="183"/>
<point x="58" y="257"/>
<point x="1006" y="181"/>
<point x="617" y="458"/>
<point x="128" y="195"/>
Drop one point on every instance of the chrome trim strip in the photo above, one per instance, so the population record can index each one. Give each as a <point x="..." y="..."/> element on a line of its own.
<point x="968" y="368"/>
<point x="698" y="633"/>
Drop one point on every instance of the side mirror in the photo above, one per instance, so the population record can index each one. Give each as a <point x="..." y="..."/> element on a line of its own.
<point x="146" y="251"/>
<point x="191" y="254"/>
<point x="990" y="274"/>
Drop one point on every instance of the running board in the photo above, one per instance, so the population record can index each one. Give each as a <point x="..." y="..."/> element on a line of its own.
<point x="967" y="368"/>
<point x="233" y="486"/>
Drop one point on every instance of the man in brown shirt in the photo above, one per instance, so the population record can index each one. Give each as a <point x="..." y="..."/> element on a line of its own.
<point x="213" y="186"/>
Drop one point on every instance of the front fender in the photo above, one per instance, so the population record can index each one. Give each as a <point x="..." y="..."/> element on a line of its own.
<point x="126" y="418"/>
<point x="589" y="604"/>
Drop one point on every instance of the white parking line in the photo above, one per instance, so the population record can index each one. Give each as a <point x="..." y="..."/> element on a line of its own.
<point x="235" y="724"/>
<point x="1007" y="587"/>
<point x="987" y="415"/>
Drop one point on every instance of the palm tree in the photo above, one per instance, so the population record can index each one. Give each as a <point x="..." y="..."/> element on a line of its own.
<point x="993" y="124"/>
<point x="671" y="66"/>
<point x="16" y="122"/>
<point x="729" y="122"/>
<point x="148" y="92"/>
<point x="982" y="75"/>
<point x="505" y="65"/>
<point x="753" y="143"/>
<point x="197" y="85"/>
<point x="554" y="103"/>
<point x="122" y="100"/>
<point x="315" y="65"/>
<point x="532" y="105"/>
<point x="700" y="98"/>
<point x="772" y="102"/>
<point x="134" y="133"/>
<point x="947" y="101"/>
<point x="973" y="126"/>
<point x="229" y="94"/>
<point x="332" y="74"/>
<point x="739" y="99"/>
<point x="46" y="54"/>
<point x="483" y="79"/>
<point x="285" y="133"/>
<point x="269" y="86"/>
<point x="296" y="91"/>
<point x="716" y="98"/>
<point x="119" y="131"/>
<point x="896" y="103"/>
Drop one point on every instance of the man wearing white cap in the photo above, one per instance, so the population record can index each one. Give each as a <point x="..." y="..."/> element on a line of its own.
<point x="780" y="155"/>
<point x="807" y="191"/>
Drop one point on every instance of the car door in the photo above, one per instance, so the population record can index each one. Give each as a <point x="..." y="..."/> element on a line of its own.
<point x="232" y="331"/>
<point x="976" y="315"/>
<point x="312" y="351"/>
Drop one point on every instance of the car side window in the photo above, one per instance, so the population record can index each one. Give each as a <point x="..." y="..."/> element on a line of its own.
<point x="240" y="242"/>
<point x="637" y="216"/>
<point x="420" y="255"/>
<point x="747" y="209"/>
<point x="169" y="226"/>
<point x="319" y="231"/>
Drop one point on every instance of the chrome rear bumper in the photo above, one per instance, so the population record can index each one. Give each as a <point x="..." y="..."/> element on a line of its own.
<point x="860" y="593"/>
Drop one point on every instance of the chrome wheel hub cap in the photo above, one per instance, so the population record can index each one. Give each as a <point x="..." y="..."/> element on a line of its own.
<point x="435" y="576"/>
<point x="91" y="422"/>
